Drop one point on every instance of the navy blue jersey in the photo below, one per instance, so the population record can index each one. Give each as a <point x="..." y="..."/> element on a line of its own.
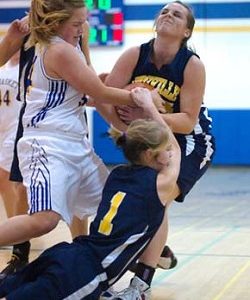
<point x="197" y="147"/>
<point x="128" y="217"/>
<point x="169" y="79"/>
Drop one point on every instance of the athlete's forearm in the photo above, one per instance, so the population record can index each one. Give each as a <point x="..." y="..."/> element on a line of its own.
<point x="108" y="112"/>
<point x="179" y="122"/>
<point x="8" y="47"/>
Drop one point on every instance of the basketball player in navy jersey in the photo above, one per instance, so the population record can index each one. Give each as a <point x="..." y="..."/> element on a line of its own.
<point x="89" y="265"/>
<point x="166" y="64"/>
<point x="18" y="31"/>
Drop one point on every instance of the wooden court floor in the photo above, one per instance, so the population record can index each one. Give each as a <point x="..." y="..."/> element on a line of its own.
<point x="210" y="235"/>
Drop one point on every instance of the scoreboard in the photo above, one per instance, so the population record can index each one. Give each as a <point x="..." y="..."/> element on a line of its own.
<point x="106" y="21"/>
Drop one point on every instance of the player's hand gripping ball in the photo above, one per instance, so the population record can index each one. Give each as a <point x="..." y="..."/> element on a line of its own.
<point x="159" y="103"/>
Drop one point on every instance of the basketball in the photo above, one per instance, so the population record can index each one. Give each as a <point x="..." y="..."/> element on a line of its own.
<point x="160" y="104"/>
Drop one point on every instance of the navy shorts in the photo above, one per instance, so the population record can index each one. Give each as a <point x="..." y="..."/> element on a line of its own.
<point x="62" y="271"/>
<point x="190" y="173"/>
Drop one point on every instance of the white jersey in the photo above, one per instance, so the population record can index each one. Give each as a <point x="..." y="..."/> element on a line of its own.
<point x="52" y="104"/>
<point x="58" y="164"/>
<point x="9" y="113"/>
<point x="9" y="106"/>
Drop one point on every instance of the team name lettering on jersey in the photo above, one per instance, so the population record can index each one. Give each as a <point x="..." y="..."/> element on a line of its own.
<point x="167" y="89"/>
<point x="10" y="82"/>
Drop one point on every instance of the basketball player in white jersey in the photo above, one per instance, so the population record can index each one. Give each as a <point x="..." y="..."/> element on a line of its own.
<point x="62" y="174"/>
<point x="13" y="194"/>
<point x="17" y="204"/>
<point x="9" y="110"/>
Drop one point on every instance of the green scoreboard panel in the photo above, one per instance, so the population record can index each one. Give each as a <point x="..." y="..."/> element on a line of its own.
<point x="106" y="22"/>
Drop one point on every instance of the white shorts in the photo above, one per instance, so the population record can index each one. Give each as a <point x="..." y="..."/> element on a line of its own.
<point x="7" y="141"/>
<point x="62" y="174"/>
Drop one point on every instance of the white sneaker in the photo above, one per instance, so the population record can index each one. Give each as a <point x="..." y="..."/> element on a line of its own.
<point x="138" y="290"/>
<point x="109" y="294"/>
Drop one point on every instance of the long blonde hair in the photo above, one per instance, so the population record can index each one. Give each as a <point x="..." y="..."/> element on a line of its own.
<point x="46" y="15"/>
<point x="140" y="135"/>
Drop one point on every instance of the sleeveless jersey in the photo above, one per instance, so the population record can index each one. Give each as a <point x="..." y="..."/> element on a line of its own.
<point x="169" y="79"/>
<point x="9" y="106"/>
<point x="52" y="104"/>
<point x="128" y="216"/>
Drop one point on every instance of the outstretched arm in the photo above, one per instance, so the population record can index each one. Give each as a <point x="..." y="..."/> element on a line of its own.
<point x="108" y="111"/>
<point x="80" y="76"/>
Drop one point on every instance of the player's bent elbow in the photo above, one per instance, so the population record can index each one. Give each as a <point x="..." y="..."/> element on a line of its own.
<point x="173" y="193"/>
<point x="189" y="127"/>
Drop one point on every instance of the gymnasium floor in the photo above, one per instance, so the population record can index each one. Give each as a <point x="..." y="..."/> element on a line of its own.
<point x="210" y="235"/>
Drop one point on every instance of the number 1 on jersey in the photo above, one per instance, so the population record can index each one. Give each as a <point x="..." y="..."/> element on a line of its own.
<point x="106" y="225"/>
